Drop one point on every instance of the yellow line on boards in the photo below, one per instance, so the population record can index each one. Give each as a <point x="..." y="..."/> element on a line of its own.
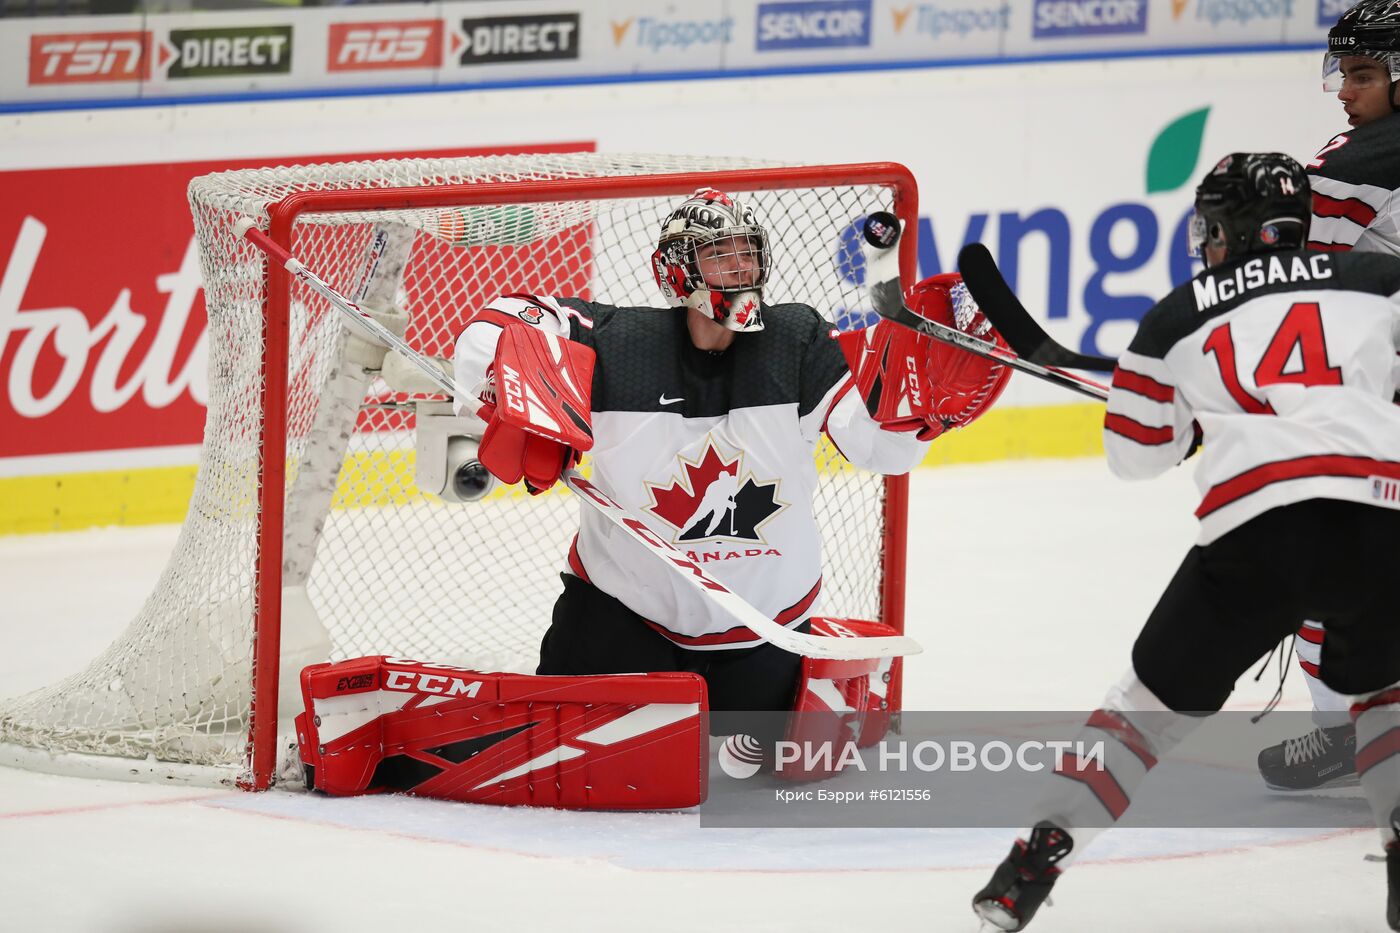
<point x="161" y="495"/>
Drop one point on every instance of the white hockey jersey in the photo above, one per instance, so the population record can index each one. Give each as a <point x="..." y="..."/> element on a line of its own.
<point x="1356" y="190"/>
<point x="715" y="452"/>
<point x="1287" y="361"/>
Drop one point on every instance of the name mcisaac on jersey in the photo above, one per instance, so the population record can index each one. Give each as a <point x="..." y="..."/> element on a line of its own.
<point x="1210" y="290"/>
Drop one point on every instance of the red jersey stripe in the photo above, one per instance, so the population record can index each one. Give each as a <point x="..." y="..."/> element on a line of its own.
<point x="1321" y="247"/>
<point x="1143" y="385"/>
<point x="1136" y="431"/>
<point x="1353" y="209"/>
<point x="576" y="563"/>
<point x="1279" y="471"/>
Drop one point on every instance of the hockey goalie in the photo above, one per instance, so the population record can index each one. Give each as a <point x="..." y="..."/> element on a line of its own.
<point x="702" y="419"/>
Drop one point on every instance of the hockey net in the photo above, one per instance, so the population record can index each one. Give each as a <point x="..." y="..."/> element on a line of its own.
<point x="309" y="532"/>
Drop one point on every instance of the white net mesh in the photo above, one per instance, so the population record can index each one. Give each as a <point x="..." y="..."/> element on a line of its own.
<point x="371" y="561"/>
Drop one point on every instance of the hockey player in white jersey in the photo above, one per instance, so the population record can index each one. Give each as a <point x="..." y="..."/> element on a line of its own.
<point x="1280" y="363"/>
<point x="1356" y="176"/>
<point x="1355" y="180"/>
<point x="704" y="421"/>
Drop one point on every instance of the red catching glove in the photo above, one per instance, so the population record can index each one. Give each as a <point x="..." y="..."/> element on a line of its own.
<point x="964" y="385"/>
<point x="539" y="423"/>
<point x="915" y="383"/>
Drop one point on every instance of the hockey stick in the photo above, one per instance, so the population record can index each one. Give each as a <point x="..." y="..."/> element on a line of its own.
<point x="881" y="232"/>
<point x="812" y="646"/>
<point x="1025" y="335"/>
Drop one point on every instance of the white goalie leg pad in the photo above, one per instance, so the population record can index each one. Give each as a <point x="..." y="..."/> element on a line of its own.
<point x="363" y="349"/>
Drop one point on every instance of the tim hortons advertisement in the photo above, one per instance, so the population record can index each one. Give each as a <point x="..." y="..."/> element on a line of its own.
<point x="103" y="342"/>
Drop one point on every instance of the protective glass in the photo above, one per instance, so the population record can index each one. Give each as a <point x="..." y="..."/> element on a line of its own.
<point x="1333" y="79"/>
<point x="733" y="259"/>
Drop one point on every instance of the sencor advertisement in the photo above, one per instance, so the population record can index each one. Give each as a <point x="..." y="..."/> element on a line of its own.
<point x="1062" y="18"/>
<point x="814" y="24"/>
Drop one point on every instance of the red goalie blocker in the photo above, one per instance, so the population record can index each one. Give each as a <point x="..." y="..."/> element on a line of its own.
<point x="607" y="742"/>
<point x="540" y="423"/>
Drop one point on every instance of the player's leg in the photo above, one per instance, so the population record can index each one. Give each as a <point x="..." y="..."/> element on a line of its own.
<point x="760" y="678"/>
<point x="751" y="690"/>
<point x="1210" y="625"/>
<point x="594" y="633"/>
<point x="1325" y="756"/>
<point x="1361" y="657"/>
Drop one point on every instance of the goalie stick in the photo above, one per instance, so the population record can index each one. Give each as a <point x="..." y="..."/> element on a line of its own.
<point x="1011" y="319"/>
<point x="812" y="646"/>
<point x="881" y="231"/>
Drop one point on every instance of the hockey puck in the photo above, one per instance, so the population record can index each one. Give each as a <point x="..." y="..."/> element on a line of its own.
<point x="881" y="230"/>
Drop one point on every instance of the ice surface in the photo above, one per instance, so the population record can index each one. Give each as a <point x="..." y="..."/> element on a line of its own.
<point x="1027" y="585"/>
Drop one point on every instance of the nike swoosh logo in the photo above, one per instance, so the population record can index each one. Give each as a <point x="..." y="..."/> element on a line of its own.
<point x="670" y="401"/>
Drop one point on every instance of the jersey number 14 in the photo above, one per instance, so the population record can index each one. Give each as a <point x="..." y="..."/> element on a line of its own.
<point x="1300" y="330"/>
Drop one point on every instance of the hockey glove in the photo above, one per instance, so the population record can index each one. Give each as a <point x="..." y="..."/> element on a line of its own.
<point x="538" y="424"/>
<point x="914" y="383"/>
<point x="963" y="385"/>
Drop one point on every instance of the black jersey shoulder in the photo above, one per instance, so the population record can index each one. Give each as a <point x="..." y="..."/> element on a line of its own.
<point x="1214" y="292"/>
<point x="1368" y="155"/>
<point x="647" y="362"/>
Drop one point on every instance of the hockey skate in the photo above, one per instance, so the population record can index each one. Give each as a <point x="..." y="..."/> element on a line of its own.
<point x="1023" y="881"/>
<point x="1322" y="758"/>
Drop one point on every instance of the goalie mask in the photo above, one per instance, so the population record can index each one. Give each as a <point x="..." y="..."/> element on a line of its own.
<point x="1252" y="202"/>
<point x="1371" y="29"/>
<point x="712" y="255"/>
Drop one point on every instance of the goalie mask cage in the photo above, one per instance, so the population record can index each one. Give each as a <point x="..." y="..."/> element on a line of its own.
<point x="307" y="536"/>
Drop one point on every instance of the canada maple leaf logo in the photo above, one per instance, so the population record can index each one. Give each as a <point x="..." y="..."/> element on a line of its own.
<point x="714" y="498"/>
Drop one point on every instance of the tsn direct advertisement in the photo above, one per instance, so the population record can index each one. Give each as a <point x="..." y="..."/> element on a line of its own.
<point x="488" y="42"/>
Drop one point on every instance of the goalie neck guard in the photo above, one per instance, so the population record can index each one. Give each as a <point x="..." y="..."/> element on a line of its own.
<point x="712" y="255"/>
<point x="1372" y="29"/>
<point x="1252" y="202"/>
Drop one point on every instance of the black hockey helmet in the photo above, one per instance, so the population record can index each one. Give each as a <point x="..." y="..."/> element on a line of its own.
<point x="1371" y="28"/>
<point x="1252" y="202"/>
